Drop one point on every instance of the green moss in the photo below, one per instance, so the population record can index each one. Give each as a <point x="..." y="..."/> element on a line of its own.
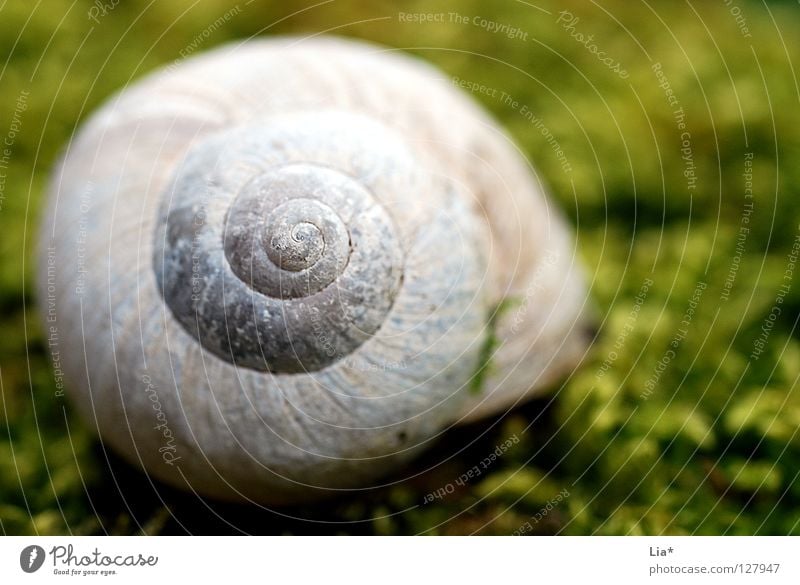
<point x="490" y="345"/>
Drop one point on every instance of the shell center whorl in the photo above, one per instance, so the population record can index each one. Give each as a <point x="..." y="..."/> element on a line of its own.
<point x="285" y="266"/>
<point x="295" y="247"/>
<point x="285" y="237"/>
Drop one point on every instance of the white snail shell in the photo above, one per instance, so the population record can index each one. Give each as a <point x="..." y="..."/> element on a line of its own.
<point x="272" y="269"/>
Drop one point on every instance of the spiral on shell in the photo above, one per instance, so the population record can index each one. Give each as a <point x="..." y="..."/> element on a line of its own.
<point x="299" y="249"/>
<point x="292" y="245"/>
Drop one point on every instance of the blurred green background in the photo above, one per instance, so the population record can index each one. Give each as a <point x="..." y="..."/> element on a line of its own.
<point x="707" y="443"/>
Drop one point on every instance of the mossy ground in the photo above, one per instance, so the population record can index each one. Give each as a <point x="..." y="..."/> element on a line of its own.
<point x="707" y="442"/>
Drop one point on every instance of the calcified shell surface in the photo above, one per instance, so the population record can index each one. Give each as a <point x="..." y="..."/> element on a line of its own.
<point x="276" y="267"/>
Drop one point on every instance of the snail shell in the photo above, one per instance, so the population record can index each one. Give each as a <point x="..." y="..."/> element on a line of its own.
<point x="276" y="269"/>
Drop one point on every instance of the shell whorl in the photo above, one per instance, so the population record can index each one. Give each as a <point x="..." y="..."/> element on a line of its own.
<point x="274" y="253"/>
